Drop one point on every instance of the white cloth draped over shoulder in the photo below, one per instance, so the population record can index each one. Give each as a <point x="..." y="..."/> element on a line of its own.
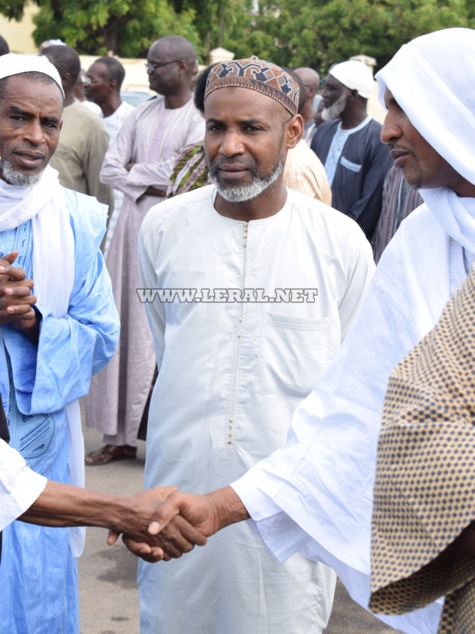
<point x="315" y="494"/>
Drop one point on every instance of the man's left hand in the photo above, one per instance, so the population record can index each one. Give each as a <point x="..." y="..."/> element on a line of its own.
<point x="16" y="299"/>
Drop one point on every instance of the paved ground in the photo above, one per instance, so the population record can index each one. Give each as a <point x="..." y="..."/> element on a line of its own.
<point x="107" y="585"/>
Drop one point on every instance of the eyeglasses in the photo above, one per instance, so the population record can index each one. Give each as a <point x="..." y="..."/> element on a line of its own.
<point x="151" y="66"/>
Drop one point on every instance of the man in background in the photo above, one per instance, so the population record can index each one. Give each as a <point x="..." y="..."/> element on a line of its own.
<point x="104" y="80"/>
<point x="139" y="163"/>
<point x="349" y="146"/>
<point x="311" y="81"/>
<point x="80" y="93"/>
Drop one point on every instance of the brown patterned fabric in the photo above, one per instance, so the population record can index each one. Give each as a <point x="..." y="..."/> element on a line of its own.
<point x="425" y="477"/>
<point x="256" y="74"/>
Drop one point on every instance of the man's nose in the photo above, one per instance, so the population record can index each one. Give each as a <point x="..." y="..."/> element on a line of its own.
<point x="231" y="144"/>
<point x="390" y="131"/>
<point x="34" y="132"/>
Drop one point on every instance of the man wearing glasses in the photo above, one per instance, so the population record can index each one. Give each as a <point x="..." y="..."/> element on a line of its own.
<point x="139" y="163"/>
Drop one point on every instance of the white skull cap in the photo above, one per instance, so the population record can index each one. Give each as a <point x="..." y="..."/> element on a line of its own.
<point x="16" y="64"/>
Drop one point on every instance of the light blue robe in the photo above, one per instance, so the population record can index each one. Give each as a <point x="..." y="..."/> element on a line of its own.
<point x="38" y="574"/>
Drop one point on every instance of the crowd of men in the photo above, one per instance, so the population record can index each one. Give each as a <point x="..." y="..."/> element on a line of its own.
<point x="235" y="320"/>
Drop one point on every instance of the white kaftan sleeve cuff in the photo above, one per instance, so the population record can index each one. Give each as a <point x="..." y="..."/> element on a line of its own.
<point x="19" y="485"/>
<point x="280" y="533"/>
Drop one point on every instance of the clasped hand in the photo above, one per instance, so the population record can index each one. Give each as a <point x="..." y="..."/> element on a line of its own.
<point x="16" y="299"/>
<point x="180" y="521"/>
<point x="147" y="536"/>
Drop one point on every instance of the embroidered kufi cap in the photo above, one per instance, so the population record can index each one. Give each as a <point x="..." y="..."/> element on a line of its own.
<point x="256" y="74"/>
<point x="16" y="64"/>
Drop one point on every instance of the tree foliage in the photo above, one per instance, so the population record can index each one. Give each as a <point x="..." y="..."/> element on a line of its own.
<point x="318" y="33"/>
<point x="97" y="26"/>
<point x="294" y="33"/>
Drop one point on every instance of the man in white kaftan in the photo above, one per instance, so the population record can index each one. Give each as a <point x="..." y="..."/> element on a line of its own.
<point x="113" y="123"/>
<point x="275" y="295"/>
<point x="139" y="163"/>
<point x="314" y="496"/>
<point x="51" y="342"/>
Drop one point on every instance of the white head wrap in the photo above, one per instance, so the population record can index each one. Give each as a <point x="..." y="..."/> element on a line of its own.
<point x="433" y="80"/>
<point x="15" y="64"/>
<point x="354" y="75"/>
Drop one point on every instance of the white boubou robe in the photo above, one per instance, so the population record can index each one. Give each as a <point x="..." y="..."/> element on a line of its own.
<point x="231" y="372"/>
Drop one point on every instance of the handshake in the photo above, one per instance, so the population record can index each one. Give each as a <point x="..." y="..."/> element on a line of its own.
<point x="180" y="521"/>
<point x="159" y="524"/>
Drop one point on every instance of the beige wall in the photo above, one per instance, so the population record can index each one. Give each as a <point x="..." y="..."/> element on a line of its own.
<point x="136" y="78"/>
<point x="18" y="34"/>
<point x="375" y="109"/>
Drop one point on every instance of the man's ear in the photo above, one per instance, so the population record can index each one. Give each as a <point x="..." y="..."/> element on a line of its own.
<point x="183" y="66"/>
<point x="294" y="131"/>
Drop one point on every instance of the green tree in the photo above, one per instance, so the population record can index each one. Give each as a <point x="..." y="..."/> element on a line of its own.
<point x="318" y="33"/>
<point x="98" y="26"/>
<point x="220" y="23"/>
<point x="290" y="32"/>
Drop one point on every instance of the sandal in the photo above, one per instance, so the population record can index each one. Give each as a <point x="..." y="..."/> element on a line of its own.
<point x="110" y="453"/>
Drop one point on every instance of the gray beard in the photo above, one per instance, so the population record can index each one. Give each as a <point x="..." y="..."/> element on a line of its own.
<point x="249" y="192"/>
<point x="13" y="177"/>
<point x="335" y="110"/>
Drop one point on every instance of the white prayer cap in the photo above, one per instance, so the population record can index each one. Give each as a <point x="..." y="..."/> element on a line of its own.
<point x="15" y="64"/>
<point x="355" y="76"/>
<point x="432" y="79"/>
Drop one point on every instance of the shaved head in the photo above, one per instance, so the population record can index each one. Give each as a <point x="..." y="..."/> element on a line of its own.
<point x="176" y="47"/>
<point x="65" y="59"/>
<point x="308" y="76"/>
<point x="311" y="81"/>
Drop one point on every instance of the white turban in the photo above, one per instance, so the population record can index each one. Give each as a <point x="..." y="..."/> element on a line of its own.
<point x="432" y="78"/>
<point x="15" y="64"/>
<point x="354" y="75"/>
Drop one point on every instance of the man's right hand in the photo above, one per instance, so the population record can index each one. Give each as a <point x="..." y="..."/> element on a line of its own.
<point x="206" y="513"/>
